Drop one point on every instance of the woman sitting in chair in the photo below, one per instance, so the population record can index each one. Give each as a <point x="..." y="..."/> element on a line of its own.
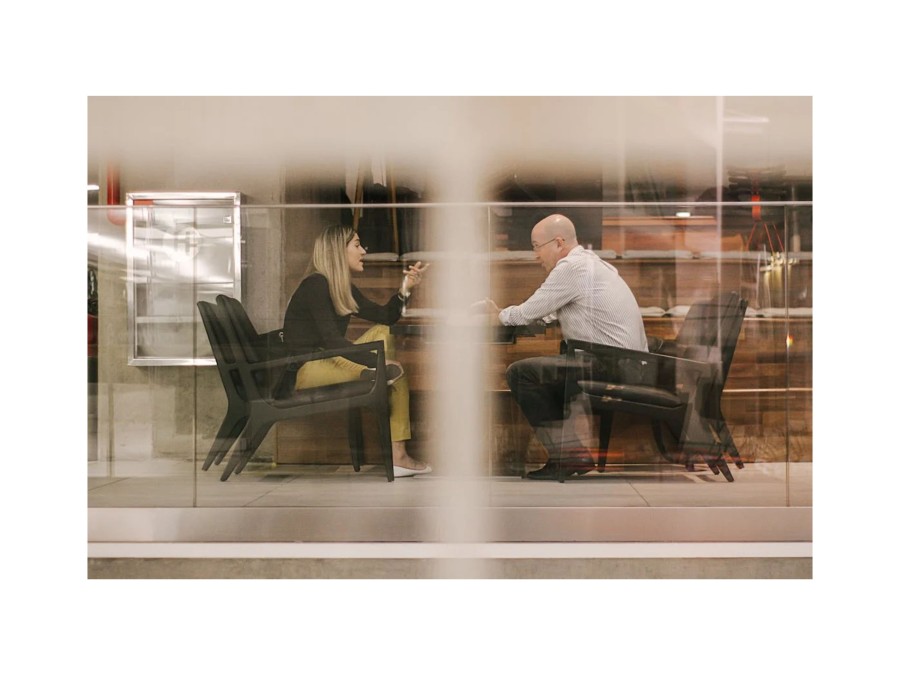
<point x="319" y="313"/>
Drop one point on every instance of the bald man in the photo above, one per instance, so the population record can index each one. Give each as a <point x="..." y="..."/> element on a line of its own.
<point x="592" y="303"/>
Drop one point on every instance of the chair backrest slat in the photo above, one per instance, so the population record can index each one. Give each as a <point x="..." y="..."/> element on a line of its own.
<point x="218" y="339"/>
<point x="714" y="323"/>
<point x="248" y="338"/>
<point x="227" y="362"/>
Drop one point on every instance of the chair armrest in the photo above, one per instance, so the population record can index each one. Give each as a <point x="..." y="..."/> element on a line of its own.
<point x="655" y="344"/>
<point x="690" y="352"/>
<point x="298" y="360"/>
<point x="657" y="362"/>
<point x="283" y="383"/>
<point x="596" y="349"/>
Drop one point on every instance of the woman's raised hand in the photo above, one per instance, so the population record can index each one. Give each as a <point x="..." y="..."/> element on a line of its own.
<point x="413" y="276"/>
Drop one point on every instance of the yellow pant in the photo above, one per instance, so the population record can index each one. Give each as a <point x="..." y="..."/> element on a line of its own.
<point x="338" y="369"/>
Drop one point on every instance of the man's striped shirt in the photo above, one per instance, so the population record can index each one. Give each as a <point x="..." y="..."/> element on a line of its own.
<point x="590" y="300"/>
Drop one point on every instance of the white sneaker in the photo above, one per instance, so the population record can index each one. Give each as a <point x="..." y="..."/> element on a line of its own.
<point x="393" y="373"/>
<point x="403" y="472"/>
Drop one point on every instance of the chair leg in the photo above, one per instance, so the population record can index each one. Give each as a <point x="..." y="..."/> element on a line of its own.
<point x="725" y="434"/>
<point x="715" y="460"/>
<point x="659" y="438"/>
<point x="606" y="420"/>
<point x="355" y="436"/>
<point x="235" y="459"/>
<point x="249" y="443"/>
<point x="228" y="433"/>
<point x="560" y="475"/>
<point x="699" y="437"/>
<point x="245" y="457"/>
<point x="250" y="450"/>
<point x="723" y="466"/>
<point x="382" y="412"/>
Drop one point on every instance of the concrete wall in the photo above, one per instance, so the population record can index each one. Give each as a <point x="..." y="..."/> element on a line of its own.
<point x="173" y="411"/>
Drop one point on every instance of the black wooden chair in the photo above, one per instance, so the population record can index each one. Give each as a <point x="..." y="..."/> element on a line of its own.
<point x="256" y="380"/>
<point x="678" y="386"/>
<point x="710" y="333"/>
<point x="237" y="413"/>
<point x="269" y="346"/>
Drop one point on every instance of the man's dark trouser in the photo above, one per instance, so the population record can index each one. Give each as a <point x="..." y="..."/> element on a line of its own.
<point x="538" y="385"/>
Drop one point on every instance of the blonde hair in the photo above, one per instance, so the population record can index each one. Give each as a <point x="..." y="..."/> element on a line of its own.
<point x="329" y="259"/>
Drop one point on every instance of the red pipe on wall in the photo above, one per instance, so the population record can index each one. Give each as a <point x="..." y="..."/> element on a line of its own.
<point x="114" y="195"/>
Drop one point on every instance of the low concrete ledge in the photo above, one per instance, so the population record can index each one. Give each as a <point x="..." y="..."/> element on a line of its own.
<point x="447" y="561"/>
<point x="430" y="524"/>
<point x="406" y="568"/>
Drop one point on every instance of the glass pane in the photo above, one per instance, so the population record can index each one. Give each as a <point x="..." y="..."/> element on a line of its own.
<point x="141" y="418"/>
<point x="675" y="213"/>
<point x="671" y="264"/>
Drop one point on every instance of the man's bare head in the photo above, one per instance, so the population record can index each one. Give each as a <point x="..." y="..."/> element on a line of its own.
<point x="556" y="226"/>
<point x="552" y="239"/>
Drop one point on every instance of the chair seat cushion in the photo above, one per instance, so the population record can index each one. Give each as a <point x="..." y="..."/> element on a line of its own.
<point x="633" y="393"/>
<point x="329" y="392"/>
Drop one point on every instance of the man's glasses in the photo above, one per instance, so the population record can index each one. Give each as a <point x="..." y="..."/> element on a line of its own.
<point x="537" y="246"/>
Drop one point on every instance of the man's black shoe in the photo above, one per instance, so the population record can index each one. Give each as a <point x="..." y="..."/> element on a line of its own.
<point x="562" y="469"/>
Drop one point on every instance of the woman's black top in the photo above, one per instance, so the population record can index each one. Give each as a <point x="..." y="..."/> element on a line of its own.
<point x="311" y="323"/>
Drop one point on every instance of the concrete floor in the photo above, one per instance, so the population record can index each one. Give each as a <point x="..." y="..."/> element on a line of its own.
<point x="176" y="484"/>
